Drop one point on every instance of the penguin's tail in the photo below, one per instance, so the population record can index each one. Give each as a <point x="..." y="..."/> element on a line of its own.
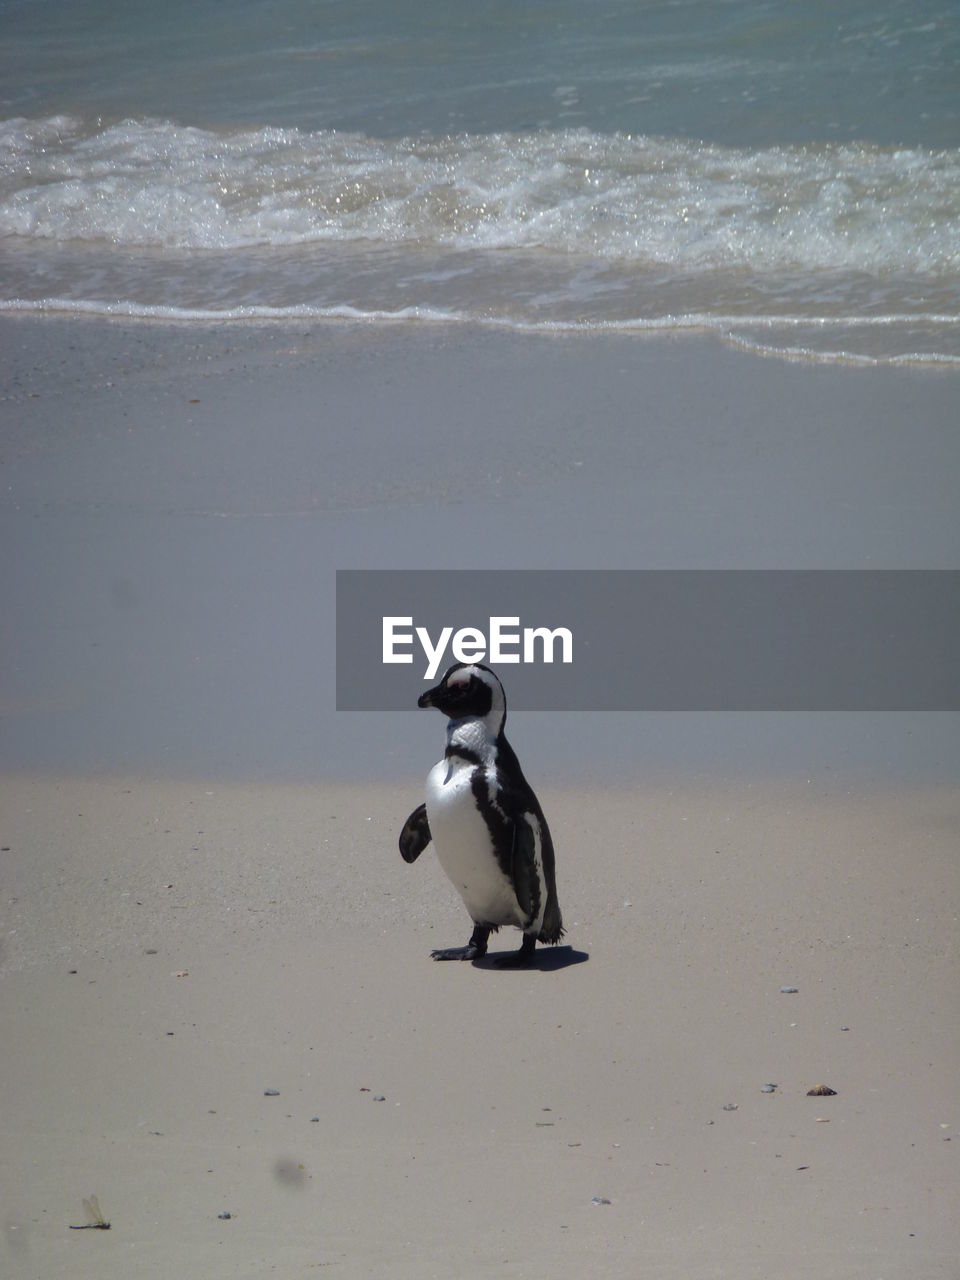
<point x="552" y="928"/>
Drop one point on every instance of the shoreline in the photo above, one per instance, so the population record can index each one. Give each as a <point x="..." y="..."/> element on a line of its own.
<point x="737" y="333"/>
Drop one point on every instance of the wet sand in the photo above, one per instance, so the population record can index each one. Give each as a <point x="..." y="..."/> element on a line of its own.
<point x="178" y="500"/>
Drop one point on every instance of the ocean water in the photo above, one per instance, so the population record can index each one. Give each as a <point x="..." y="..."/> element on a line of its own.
<point x="786" y="175"/>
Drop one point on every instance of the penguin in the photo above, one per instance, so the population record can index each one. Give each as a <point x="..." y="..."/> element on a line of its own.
<point x="484" y="821"/>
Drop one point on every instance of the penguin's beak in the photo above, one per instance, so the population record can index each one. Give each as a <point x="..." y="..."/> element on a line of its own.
<point x="426" y="699"/>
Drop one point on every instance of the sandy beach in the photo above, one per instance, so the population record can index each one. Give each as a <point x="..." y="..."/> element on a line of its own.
<point x="201" y="898"/>
<point x="172" y="952"/>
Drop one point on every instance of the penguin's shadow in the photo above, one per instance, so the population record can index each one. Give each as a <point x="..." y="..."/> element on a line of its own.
<point x="545" y="960"/>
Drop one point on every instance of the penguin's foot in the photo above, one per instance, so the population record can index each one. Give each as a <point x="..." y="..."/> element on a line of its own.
<point x="475" y="948"/>
<point x="517" y="959"/>
<point x="469" y="952"/>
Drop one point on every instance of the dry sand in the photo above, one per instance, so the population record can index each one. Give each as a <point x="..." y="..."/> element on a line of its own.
<point x="171" y="951"/>
<point x="201" y="898"/>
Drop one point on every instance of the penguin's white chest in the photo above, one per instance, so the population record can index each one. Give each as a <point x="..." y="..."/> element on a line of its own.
<point x="464" y="846"/>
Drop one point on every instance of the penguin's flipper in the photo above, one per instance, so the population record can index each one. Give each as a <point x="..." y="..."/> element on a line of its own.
<point x="415" y="835"/>
<point x="524" y="867"/>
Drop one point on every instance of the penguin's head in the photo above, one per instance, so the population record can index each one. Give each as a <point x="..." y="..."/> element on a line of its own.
<point x="468" y="691"/>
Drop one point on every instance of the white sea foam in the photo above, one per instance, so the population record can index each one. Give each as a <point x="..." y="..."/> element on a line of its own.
<point x="657" y="202"/>
<point x="858" y="246"/>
